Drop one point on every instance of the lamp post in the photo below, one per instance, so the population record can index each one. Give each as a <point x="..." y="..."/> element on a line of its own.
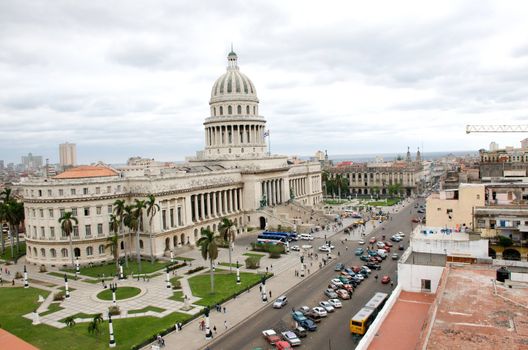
<point x="66" y="289"/>
<point x="167" y="277"/>
<point x="302" y="266"/>
<point x="77" y="266"/>
<point x="264" y="294"/>
<point x="104" y="283"/>
<point x="171" y="256"/>
<point x="113" y="287"/>
<point x="26" y="283"/>
<point x="208" y="333"/>
<point x="121" y="276"/>
<point x="237" y="273"/>
<point x="112" y="343"/>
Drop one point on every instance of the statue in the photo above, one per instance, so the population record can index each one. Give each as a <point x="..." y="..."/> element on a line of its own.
<point x="263" y="201"/>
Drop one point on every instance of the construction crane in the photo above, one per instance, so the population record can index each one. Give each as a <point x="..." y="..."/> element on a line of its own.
<point x="496" y="128"/>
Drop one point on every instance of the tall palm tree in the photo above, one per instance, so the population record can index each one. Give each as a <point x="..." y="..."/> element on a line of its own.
<point x="66" y="221"/>
<point x="209" y="250"/>
<point x="119" y="211"/>
<point x="3" y="218"/>
<point x="4" y="214"/>
<point x="152" y="208"/>
<point x="19" y="216"/>
<point x="113" y="241"/>
<point x="138" y="213"/>
<point x="226" y="230"/>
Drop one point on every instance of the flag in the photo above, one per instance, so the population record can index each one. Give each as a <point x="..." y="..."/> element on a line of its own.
<point x="266" y="133"/>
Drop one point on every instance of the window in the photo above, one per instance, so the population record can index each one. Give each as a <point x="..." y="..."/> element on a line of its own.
<point x="97" y="190"/>
<point x="40" y="193"/>
<point x="49" y="193"/>
<point x="239" y="109"/>
<point x="72" y="191"/>
<point x="85" y="190"/>
<point x="52" y="231"/>
<point x="98" y="210"/>
<point x="180" y="222"/>
<point x="171" y="217"/>
<point x="88" y="230"/>
<point x="87" y="211"/>
<point x="89" y="251"/>
<point x="118" y="188"/>
<point x="108" y="189"/>
<point x="41" y="212"/>
<point x="64" y="252"/>
<point x="53" y="253"/>
<point x="109" y="209"/>
<point x="50" y="211"/>
<point x="61" y="212"/>
<point x="101" y="249"/>
<point x="164" y="218"/>
<point x="35" y="231"/>
<point x="42" y="231"/>
<point x="34" y="212"/>
<point x="74" y="211"/>
<point x="247" y="110"/>
<point x="42" y="252"/>
<point x="76" y="231"/>
<point x="229" y="110"/>
<point x="61" y="192"/>
<point x="140" y="244"/>
<point x="426" y="285"/>
<point x="99" y="229"/>
<point x="478" y="196"/>
<point x="221" y="110"/>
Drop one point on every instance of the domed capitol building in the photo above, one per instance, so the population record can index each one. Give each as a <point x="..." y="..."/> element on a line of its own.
<point x="233" y="177"/>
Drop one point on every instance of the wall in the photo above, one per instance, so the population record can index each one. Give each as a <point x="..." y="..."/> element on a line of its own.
<point x="410" y="276"/>
<point x="476" y="248"/>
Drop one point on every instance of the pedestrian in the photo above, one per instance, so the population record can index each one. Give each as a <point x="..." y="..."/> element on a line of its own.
<point x="270" y="293"/>
<point x="13" y="282"/>
<point x="271" y="267"/>
<point x="214" y="329"/>
<point x="376" y="277"/>
<point x="260" y="288"/>
<point x="224" y="310"/>
<point x="392" y="284"/>
<point x="225" y="324"/>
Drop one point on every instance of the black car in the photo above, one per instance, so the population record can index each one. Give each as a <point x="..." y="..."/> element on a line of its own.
<point x="300" y="332"/>
<point x="364" y="257"/>
<point x="364" y="273"/>
<point x="401" y="247"/>
<point x="373" y="266"/>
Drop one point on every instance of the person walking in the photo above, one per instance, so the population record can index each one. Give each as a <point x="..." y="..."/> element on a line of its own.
<point x="214" y="329"/>
<point x="270" y="294"/>
<point x="225" y="324"/>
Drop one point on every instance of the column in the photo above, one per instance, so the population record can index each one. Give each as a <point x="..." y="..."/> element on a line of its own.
<point x="236" y="200"/>
<point x="228" y="197"/>
<point x="268" y="192"/>
<point x="280" y="191"/>
<point x="202" y="206"/>
<point x="214" y="205"/>
<point x="207" y="212"/>
<point x="224" y="203"/>
<point x="195" y="208"/>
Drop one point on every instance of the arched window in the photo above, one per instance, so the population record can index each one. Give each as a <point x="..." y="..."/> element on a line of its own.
<point x="77" y="252"/>
<point x="122" y="245"/>
<point x="53" y="253"/>
<point x="140" y="244"/>
<point x="229" y="110"/>
<point x="42" y="252"/>
<point x="101" y="249"/>
<point x="89" y="251"/>
<point x="239" y="109"/>
<point x="221" y="110"/>
<point x="64" y="252"/>
<point x="247" y="109"/>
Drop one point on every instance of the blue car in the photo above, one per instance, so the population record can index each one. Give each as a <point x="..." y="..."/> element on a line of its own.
<point x="372" y="253"/>
<point x="298" y="316"/>
<point x="308" y="324"/>
<point x="339" y="267"/>
<point x="359" y="251"/>
<point x="349" y="271"/>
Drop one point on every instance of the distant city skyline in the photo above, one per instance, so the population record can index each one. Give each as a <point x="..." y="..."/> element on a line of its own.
<point x="353" y="77"/>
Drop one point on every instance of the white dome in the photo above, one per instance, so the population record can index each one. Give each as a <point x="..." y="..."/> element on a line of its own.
<point x="233" y="85"/>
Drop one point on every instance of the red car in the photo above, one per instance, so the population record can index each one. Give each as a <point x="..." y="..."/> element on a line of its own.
<point x="348" y="287"/>
<point x="388" y="244"/>
<point x="415" y="220"/>
<point x="372" y="240"/>
<point x="283" y="345"/>
<point x="356" y="269"/>
<point x="385" y="279"/>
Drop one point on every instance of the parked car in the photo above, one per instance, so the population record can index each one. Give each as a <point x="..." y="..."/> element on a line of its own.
<point x="380" y="244"/>
<point x="327" y="306"/>
<point x="364" y="273"/>
<point x="349" y="271"/>
<point x="330" y="293"/>
<point x="271" y="336"/>
<point x="298" y="316"/>
<point x="401" y="247"/>
<point x="385" y="279"/>
<point x="359" y="251"/>
<point x="283" y="345"/>
<point x="415" y="220"/>
<point x="344" y="279"/>
<point x="300" y="332"/>
<point x="304" y="310"/>
<point x="388" y="244"/>
<point x="365" y="268"/>
<point x="401" y="234"/>
<point x="343" y="294"/>
<point x="361" y="242"/>
<point x="324" y="248"/>
<point x="395" y="256"/>
<point x="395" y="239"/>
<point x="337" y="282"/>
<point x="335" y="303"/>
<point x="291" y="338"/>
<point x="306" y="237"/>
<point x="295" y="248"/>
<point x="339" y="267"/>
<point x="364" y="257"/>
<point x="372" y="240"/>
<point x="372" y="252"/>
<point x="280" y="302"/>
<point x="356" y="268"/>
<point x="349" y="287"/>
<point x="373" y="265"/>
<point x="308" y="324"/>
<point x="319" y="311"/>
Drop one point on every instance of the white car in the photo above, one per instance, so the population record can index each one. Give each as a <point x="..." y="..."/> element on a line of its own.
<point x="291" y="338"/>
<point x="306" y="237"/>
<point x="336" y="303"/>
<point x="319" y="311"/>
<point x="280" y="302"/>
<point x="401" y="234"/>
<point x="295" y="248"/>
<point x="327" y="306"/>
<point x="361" y="242"/>
<point x="324" y="248"/>
<point x="337" y="282"/>
<point x="380" y="244"/>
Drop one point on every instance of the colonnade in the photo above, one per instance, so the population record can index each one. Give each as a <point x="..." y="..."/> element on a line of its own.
<point x="215" y="204"/>
<point x="238" y="134"/>
<point x="298" y="186"/>
<point x="273" y="190"/>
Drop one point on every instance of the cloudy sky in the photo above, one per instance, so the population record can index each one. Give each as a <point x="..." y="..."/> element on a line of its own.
<point x="124" y="78"/>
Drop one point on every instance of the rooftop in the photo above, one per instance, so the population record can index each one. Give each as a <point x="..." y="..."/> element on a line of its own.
<point x="85" y="171"/>
<point x="439" y="233"/>
<point x="12" y="342"/>
<point x="428" y="259"/>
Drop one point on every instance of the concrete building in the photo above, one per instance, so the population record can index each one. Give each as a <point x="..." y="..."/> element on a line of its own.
<point x="31" y="162"/>
<point x="232" y="177"/>
<point x="509" y="163"/>
<point x="67" y="154"/>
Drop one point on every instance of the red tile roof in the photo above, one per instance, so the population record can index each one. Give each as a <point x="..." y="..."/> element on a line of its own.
<point x="12" y="342"/>
<point x="87" y="171"/>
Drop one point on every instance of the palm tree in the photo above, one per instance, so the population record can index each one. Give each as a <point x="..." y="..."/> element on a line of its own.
<point x="138" y="213"/>
<point x="209" y="250"/>
<point x="93" y="326"/>
<point x="113" y="241"/>
<point x="70" y="321"/>
<point x="6" y="216"/>
<point x="152" y="208"/>
<point x="66" y="221"/>
<point x="19" y="216"/>
<point x="226" y="230"/>
<point x="3" y="218"/>
<point x="119" y="211"/>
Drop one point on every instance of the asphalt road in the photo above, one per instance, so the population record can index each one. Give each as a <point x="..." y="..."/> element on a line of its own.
<point x="333" y="331"/>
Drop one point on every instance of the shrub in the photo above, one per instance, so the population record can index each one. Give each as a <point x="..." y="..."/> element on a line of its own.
<point x="43" y="268"/>
<point x="59" y="296"/>
<point x="196" y="269"/>
<point x="176" y="285"/>
<point x="114" y="310"/>
<point x="176" y="265"/>
<point x="505" y="241"/>
<point x="252" y="262"/>
<point x="275" y="251"/>
<point x="249" y="228"/>
<point x="18" y="275"/>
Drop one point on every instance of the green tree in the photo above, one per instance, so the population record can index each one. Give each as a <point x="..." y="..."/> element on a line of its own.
<point x="394" y="189"/>
<point x="152" y="208"/>
<point x="70" y="321"/>
<point x="505" y="241"/>
<point x="226" y="230"/>
<point x="19" y="217"/>
<point x="113" y="241"/>
<point x="66" y="221"/>
<point x="139" y="207"/>
<point x="209" y="250"/>
<point x="119" y="211"/>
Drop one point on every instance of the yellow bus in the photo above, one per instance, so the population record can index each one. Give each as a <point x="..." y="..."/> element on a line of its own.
<point x="361" y="321"/>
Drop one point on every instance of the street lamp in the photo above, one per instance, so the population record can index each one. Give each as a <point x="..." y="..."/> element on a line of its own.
<point x="77" y="266"/>
<point x="208" y="333"/>
<point x="264" y="295"/>
<point x="167" y="277"/>
<point x="112" y="343"/>
<point x="66" y="289"/>
<point x="237" y="273"/>
<point x="26" y="282"/>
<point x="113" y="287"/>
<point x="121" y="276"/>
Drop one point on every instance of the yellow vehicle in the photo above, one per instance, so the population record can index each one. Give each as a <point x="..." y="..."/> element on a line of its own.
<point x="361" y="321"/>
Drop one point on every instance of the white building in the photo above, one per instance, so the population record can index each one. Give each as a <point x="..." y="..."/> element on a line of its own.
<point x="67" y="154"/>
<point x="232" y="177"/>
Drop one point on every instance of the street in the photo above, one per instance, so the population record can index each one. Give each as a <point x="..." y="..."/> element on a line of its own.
<point x="333" y="332"/>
